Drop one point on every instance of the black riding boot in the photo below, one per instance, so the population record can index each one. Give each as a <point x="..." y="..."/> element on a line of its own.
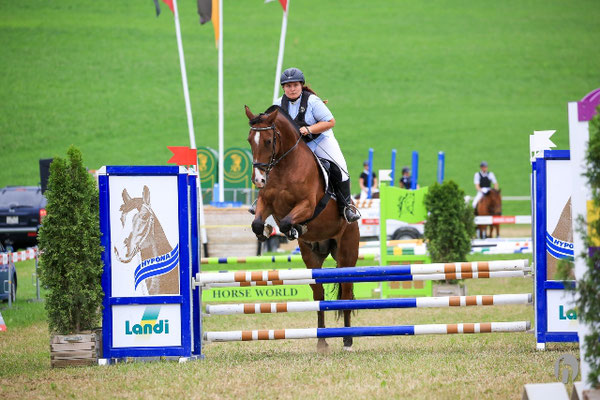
<point x="344" y="201"/>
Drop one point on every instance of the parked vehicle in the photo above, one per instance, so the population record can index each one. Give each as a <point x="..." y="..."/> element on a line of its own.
<point x="396" y="230"/>
<point x="7" y="269"/>
<point x="22" y="209"/>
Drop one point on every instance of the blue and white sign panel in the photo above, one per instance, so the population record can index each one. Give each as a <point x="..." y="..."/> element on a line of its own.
<point x="556" y="319"/>
<point x="145" y="219"/>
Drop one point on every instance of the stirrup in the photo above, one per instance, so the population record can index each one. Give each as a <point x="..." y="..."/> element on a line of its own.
<point x="353" y="208"/>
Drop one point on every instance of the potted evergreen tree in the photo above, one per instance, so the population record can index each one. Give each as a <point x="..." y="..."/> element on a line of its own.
<point x="70" y="261"/>
<point x="449" y="228"/>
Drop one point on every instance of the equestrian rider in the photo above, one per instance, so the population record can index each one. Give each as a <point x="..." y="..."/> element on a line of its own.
<point x="316" y="123"/>
<point x="483" y="180"/>
<point x="406" y="180"/>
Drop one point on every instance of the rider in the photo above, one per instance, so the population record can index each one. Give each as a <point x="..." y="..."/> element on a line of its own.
<point x="483" y="181"/>
<point x="406" y="180"/>
<point x="316" y="123"/>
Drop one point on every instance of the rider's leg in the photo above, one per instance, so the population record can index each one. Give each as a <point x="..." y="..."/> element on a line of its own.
<point x="342" y="191"/>
<point x="326" y="146"/>
<point x="478" y="197"/>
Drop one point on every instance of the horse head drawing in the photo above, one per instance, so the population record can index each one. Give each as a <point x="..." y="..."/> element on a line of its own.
<point x="144" y="235"/>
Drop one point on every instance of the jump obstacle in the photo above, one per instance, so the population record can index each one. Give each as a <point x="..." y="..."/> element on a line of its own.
<point x="173" y="309"/>
<point x="440" y="271"/>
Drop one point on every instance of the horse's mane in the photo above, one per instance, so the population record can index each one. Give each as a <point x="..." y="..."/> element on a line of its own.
<point x="281" y="111"/>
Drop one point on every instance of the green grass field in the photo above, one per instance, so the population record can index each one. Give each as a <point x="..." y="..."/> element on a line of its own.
<point x="490" y="366"/>
<point x="471" y="78"/>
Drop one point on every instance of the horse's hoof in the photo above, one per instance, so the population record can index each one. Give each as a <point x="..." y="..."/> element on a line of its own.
<point x="322" y="346"/>
<point x="348" y="348"/>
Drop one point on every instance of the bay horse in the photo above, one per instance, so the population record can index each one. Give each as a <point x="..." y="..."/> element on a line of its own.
<point x="490" y="204"/>
<point x="144" y="235"/>
<point x="292" y="185"/>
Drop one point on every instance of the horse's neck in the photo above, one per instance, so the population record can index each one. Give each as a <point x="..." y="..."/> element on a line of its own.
<point x="156" y="243"/>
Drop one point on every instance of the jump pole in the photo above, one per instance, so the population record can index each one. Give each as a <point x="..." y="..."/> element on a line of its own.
<point x="266" y="259"/>
<point x="407" y="330"/>
<point x="393" y="168"/>
<point x="377" y="278"/>
<point x="334" y="305"/>
<point x="370" y="176"/>
<point x="479" y="269"/>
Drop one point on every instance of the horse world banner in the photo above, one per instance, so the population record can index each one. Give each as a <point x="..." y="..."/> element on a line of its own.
<point x="144" y="232"/>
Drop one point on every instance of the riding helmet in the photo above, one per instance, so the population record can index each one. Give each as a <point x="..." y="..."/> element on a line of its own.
<point x="292" y="75"/>
<point x="405" y="170"/>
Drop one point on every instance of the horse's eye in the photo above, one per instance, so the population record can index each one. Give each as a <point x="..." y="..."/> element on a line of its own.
<point x="268" y="142"/>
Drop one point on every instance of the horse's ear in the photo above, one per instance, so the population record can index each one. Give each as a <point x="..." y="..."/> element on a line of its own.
<point x="126" y="196"/>
<point x="146" y="195"/>
<point x="249" y="113"/>
<point x="271" y="117"/>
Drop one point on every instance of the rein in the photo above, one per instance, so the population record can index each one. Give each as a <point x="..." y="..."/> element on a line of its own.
<point x="267" y="167"/>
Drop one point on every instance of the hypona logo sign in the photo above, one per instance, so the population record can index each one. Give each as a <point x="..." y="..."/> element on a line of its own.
<point x="559" y="248"/>
<point x="149" y="325"/>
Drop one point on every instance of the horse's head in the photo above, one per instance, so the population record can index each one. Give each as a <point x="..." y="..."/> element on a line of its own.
<point x="265" y="142"/>
<point x="495" y="202"/>
<point x="137" y="220"/>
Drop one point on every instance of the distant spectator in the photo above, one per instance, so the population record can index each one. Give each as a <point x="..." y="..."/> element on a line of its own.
<point x="364" y="182"/>
<point x="483" y="181"/>
<point x="406" y="180"/>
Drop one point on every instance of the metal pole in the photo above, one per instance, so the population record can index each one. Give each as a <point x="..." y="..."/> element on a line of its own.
<point x="37" y="277"/>
<point x="281" y="51"/>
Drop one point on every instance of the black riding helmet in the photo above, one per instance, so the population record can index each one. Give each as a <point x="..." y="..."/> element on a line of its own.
<point x="292" y="75"/>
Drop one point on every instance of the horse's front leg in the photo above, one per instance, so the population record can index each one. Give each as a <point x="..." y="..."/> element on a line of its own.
<point x="258" y="225"/>
<point x="300" y="213"/>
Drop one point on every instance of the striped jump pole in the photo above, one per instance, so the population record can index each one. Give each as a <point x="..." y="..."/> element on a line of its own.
<point x="314" y="333"/>
<point x="267" y="259"/>
<point x="377" y="278"/>
<point x="419" y="302"/>
<point x="440" y="271"/>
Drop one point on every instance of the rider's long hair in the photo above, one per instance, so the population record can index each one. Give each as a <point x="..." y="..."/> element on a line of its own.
<point x="308" y="89"/>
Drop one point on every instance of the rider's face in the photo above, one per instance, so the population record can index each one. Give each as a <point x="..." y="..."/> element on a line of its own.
<point x="292" y="90"/>
<point x="484" y="168"/>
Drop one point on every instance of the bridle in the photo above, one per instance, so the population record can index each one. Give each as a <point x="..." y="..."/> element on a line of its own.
<point x="267" y="167"/>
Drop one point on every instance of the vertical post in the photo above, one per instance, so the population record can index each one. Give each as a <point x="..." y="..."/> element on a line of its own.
<point x="281" y="51"/>
<point x="37" y="277"/>
<point x="221" y="194"/>
<point x="370" y="176"/>
<point x="393" y="167"/>
<point x="9" y="282"/>
<point x="441" y="164"/>
<point x="415" y="170"/>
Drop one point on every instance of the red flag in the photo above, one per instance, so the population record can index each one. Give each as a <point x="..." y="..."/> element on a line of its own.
<point x="182" y="155"/>
<point x="167" y="2"/>
<point x="283" y="3"/>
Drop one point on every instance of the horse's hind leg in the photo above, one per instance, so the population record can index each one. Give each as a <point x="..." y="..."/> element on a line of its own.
<point x="346" y="255"/>
<point x="315" y="260"/>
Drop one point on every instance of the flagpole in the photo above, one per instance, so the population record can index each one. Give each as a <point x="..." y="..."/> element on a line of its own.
<point x="281" y="51"/>
<point x="190" y="122"/>
<point x="221" y="116"/>
<point x="186" y="92"/>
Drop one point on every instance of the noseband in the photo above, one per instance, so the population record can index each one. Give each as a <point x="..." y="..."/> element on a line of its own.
<point x="267" y="167"/>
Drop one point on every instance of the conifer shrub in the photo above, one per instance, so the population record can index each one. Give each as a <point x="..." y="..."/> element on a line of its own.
<point x="450" y="223"/>
<point x="69" y="241"/>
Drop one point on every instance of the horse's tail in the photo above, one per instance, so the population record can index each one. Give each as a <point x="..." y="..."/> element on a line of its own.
<point x="337" y="291"/>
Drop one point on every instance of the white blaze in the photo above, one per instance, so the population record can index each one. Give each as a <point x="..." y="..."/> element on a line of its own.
<point x="257" y="137"/>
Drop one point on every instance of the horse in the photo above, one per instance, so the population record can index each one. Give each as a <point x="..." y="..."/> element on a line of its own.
<point x="144" y="235"/>
<point x="490" y="204"/>
<point x="291" y="186"/>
